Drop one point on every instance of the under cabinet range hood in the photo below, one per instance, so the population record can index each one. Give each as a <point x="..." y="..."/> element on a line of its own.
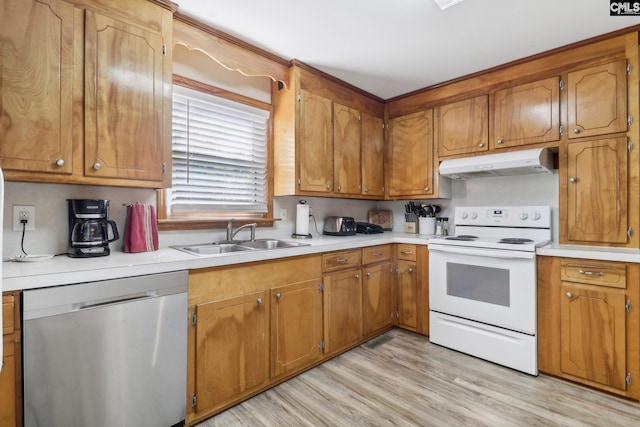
<point x="523" y="162"/>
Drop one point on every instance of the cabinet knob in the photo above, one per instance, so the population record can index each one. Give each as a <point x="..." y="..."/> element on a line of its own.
<point x="357" y="276"/>
<point x="576" y="130"/>
<point x="97" y="166"/>
<point x="278" y="295"/>
<point x="366" y="189"/>
<point x="328" y="186"/>
<point x="60" y="162"/>
<point x="569" y="295"/>
<point x="368" y="274"/>
<point x="573" y="180"/>
<point x="410" y="270"/>
<point x="500" y="141"/>
<point x="260" y="301"/>
<point x="426" y="188"/>
<point x="339" y="188"/>
<point x="481" y="144"/>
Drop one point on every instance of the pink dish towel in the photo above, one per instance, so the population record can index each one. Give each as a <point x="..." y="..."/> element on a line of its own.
<point x="141" y="229"/>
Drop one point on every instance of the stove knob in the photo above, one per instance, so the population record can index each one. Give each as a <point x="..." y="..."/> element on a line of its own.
<point x="465" y="215"/>
<point x="524" y="216"/>
<point x="536" y="216"/>
<point x="474" y="215"/>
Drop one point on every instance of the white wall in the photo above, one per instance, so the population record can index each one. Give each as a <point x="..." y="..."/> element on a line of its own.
<point x="52" y="227"/>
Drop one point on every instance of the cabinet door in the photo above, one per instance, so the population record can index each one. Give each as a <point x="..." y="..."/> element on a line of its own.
<point x="527" y="114"/>
<point x="593" y="334"/>
<point x="36" y="74"/>
<point x="407" y="295"/>
<point x="377" y="297"/>
<point x="411" y="164"/>
<point x="462" y="127"/>
<point x="342" y="309"/>
<point x="346" y="149"/>
<point x="597" y="103"/>
<point x="315" y="143"/>
<point x="231" y="348"/>
<point x="372" y="146"/>
<point x="123" y="100"/>
<point x="8" y="409"/>
<point x="296" y="326"/>
<point x="597" y="191"/>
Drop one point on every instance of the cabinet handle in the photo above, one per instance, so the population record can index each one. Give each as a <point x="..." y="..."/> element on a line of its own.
<point x="576" y="130"/>
<point x="278" y="295"/>
<point x="481" y="144"/>
<point x="573" y="179"/>
<point x="97" y="166"/>
<point x="260" y="301"/>
<point x="591" y="273"/>
<point x="60" y="162"/>
<point x="342" y="260"/>
<point x="357" y="276"/>
<point x="368" y="274"/>
<point x="569" y="295"/>
<point x="406" y="252"/>
<point x="500" y="141"/>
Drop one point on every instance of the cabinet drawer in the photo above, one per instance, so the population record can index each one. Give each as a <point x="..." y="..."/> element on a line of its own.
<point x="406" y="252"/>
<point x="376" y="254"/>
<point x="8" y="305"/>
<point x="598" y="273"/>
<point x="339" y="260"/>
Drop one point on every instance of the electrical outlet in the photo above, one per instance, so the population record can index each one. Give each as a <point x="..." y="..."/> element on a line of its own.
<point x="24" y="213"/>
<point x="283" y="214"/>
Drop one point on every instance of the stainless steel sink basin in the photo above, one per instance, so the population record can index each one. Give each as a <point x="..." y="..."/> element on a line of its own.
<point x="211" y="249"/>
<point x="270" y="244"/>
<point x="226" y="246"/>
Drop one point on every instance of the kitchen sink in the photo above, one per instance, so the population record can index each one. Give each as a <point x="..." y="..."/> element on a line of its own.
<point x="211" y="249"/>
<point x="240" y="246"/>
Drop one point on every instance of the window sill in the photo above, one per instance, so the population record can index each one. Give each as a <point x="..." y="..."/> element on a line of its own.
<point x="204" y="224"/>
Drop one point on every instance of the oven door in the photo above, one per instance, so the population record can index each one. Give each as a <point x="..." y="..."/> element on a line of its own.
<point x="492" y="286"/>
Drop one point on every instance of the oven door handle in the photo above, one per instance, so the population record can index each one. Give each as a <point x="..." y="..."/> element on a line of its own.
<point x="488" y="253"/>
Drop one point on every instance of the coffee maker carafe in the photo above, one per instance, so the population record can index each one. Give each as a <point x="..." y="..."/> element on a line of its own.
<point x="89" y="226"/>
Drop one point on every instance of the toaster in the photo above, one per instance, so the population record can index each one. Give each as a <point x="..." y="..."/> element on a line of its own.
<point x="339" y="226"/>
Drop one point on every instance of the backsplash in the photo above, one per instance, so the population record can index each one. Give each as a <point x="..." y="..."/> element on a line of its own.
<point x="52" y="226"/>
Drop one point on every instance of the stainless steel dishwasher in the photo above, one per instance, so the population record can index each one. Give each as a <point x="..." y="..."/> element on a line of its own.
<point x="108" y="353"/>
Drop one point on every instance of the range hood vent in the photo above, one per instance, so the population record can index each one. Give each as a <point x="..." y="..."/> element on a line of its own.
<point x="524" y="162"/>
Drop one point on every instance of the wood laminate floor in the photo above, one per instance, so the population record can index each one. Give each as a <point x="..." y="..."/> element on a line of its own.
<point x="407" y="381"/>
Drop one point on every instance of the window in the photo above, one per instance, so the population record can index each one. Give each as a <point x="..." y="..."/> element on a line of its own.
<point x="220" y="156"/>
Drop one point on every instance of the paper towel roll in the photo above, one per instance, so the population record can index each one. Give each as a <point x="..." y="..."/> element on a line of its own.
<point x="302" y="219"/>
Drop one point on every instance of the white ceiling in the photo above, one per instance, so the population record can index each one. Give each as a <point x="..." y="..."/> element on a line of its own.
<point x="392" y="47"/>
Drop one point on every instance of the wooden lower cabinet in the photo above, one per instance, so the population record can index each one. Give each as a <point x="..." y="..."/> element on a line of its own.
<point x="407" y="295"/>
<point x="296" y="326"/>
<point x="377" y="297"/>
<point x="11" y="374"/>
<point x="232" y="349"/>
<point x="342" y="309"/>
<point x="412" y="288"/>
<point x="588" y="318"/>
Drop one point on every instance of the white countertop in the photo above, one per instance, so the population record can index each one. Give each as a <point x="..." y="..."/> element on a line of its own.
<point x="63" y="270"/>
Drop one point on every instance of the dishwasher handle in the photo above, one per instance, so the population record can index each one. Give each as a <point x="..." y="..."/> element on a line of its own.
<point x="118" y="300"/>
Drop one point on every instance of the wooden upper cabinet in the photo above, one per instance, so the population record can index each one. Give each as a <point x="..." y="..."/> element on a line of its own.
<point x="597" y="102"/>
<point x="372" y="155"/>
<point x="315" y="143"/>
<point x="123" y="100"/>
<point x="527" y="114"/>
<point x="36" y="71"/>
<point x="462" y="127"/>
<point x="346" y="149"/>
<point x="411" y="155"/>
<point x="597" y="199"/>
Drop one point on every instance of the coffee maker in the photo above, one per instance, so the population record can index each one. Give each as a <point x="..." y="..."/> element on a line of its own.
<point x="89" y="226"/>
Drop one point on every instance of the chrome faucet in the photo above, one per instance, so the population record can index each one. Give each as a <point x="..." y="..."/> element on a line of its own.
<point x="231" y="233"/>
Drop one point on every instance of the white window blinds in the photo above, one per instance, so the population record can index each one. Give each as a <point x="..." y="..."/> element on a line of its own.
<point x="219" y="155"/>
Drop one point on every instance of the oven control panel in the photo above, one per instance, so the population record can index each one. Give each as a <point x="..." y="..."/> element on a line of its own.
<point x="505" y="216"/>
